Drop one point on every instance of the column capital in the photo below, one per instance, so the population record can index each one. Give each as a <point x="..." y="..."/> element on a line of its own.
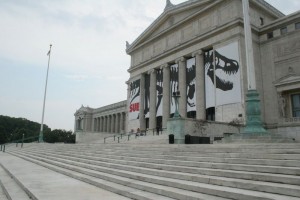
<point x="181" y="59"/>
<point x="164" y="66"/>
<point x="197" y="52"/>
<point x="151" y="71"/>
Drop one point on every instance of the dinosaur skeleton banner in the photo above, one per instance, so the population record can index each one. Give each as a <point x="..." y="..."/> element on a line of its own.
<point x="173" y="86"/>
<point x="147" y="96"/>
<point x="134" y="98"/>
<point x="222" y="76"/>
<point x="159" y="92"/>
<point x="191" y="84"/>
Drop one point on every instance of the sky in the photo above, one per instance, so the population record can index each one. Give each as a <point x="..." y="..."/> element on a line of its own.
<point x="88" y="63"/>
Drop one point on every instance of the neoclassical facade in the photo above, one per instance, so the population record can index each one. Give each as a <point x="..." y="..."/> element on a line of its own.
<point x="107" y="119"/>
<point x="197" y="48"/>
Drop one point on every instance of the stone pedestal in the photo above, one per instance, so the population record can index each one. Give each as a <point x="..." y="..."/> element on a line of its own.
<point x="253" y="112"/>
<point x="176" y="126"/>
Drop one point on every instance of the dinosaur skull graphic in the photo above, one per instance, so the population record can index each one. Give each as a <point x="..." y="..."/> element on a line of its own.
<point x="224" y="69"/>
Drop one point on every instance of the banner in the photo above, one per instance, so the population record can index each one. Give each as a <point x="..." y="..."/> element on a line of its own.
<point x="191" y="85"/>
<point x="159" y="92"/>
<point x="222" y="76"/>
<point x="134" y="100"/>
<point x="147" y="96"/>
<point x="174" y="87"/>
<point x="209" y="79"/>
<point x="227" y="72"/>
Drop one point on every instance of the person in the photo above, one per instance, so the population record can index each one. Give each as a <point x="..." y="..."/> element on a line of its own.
<point x="157" y="130"/>
<point x="138" y="132"/>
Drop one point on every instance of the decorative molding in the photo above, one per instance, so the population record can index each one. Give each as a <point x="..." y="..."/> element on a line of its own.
<point x="169" y="5"/>
<point x="164" y="66"/>
<point x="181" y="59"/>
<point x="200" y="52"/>
<point x="127" y="45"/>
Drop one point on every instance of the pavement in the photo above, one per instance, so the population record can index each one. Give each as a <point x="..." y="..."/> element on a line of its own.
<point x="46" y="184"/>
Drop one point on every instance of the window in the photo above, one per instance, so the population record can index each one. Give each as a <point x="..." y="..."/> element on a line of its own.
<point x="296" y="105"/>
<point x="283" y="30"/>
<point x="261" y="21"/>
<point x="297" y="25"/>
<point x="270" y="35"/>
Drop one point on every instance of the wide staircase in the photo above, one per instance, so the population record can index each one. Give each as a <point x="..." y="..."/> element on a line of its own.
<point x="152" y="171"/>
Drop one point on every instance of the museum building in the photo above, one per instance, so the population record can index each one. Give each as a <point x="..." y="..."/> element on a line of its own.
<point x="197" y="49"/>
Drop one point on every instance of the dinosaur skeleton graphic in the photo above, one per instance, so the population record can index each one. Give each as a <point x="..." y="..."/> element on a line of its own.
<point x="159" y="91"/>
<point x="191" y="84"/>
<point x="224" y="68"/>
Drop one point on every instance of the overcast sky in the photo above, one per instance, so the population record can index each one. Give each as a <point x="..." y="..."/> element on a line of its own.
<point x="88" y="60"/>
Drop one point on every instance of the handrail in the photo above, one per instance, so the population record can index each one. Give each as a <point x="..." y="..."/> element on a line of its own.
<point x="137" y="134"/>
<point x="3" y="146"/>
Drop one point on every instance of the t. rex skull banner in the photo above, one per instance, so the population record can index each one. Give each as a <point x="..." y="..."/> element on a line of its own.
<point x="173" y="85"/>
<point x="191" y="85"/>
<point x="222" y="76"/>
<point x="159" y="92"/>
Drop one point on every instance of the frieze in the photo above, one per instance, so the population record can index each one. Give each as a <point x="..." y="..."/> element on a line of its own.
<point x="293" y="119"/>
<point x="288" y="48"/>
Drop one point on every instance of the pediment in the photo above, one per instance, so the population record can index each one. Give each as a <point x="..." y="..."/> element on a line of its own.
<point x="289" y="82"/>
<point x="171" y="18"/>
<point x="83" y="110"/>
<point x="289" y="79"/>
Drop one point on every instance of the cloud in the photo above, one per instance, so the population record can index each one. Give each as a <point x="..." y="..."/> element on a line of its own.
<point x="77" y="77"/>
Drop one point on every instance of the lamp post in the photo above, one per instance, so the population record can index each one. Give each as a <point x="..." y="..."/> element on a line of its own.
<point x="253" y="109"/>
<point x="41" y="135"/>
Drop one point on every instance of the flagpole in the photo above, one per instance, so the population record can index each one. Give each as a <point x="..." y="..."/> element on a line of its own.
<point x="41" y="136"/>
<point x="254" y="124"/>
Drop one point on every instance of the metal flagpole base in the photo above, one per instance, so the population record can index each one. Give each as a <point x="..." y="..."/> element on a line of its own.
<point x="254" y="124"/>
<point x="41" y="137"/>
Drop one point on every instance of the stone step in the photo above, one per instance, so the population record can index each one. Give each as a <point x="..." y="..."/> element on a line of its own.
<point x="47" y="184"/>
<point x="196" y="158"/>
<point x="200" y="158"/>
<point x="255" y="166"/>
<point x="12" y="188"/>
<point x="223" y="156"/>
<point x="291" y="190"/>
<point x="199" y="165"/>
<point x="90" y="159"/>
<point x="220" y="191"/>
<point x="137" y="189"/>
<point x="271" y="153"/>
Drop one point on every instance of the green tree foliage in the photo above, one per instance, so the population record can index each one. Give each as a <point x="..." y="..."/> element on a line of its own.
<point x="59" y="135"/>
<point x="12" y="129"/>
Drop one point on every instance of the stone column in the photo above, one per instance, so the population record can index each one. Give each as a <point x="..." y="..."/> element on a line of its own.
<point x="200" y="85"/>
<point x="142" y="103"/>
<point x="102" y="127"/>
<point x="166" y="94"/>
<point x="152" y="110"/>
<point x="182" y="86"/>
<point x="109" y="124"/>
<point x="113" y="118"/>
<point x="117" y="122"/>
<point x="121" y="122"/>
<point x="99" y="124"/>
<point x="105" y="123"/>
<point x="95" y="125"/>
